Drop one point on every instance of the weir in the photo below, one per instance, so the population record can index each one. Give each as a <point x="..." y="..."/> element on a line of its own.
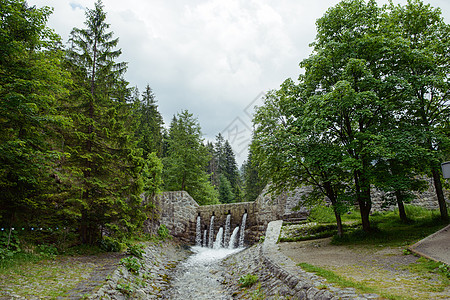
<point x="220" y="240"/>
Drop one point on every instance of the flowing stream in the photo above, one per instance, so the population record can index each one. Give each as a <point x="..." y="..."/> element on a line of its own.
<point x="199" y="277"/>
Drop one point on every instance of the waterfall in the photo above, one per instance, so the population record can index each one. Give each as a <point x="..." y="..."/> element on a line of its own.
<point x="211" y="232"/>
<point x="242" y="233"/>
<point x="233" y="238"/>
<point x="219" y="238"/>
<point x="205" y="233"/>
<point x="226" y="237"/>
<point x="198" y="233"/>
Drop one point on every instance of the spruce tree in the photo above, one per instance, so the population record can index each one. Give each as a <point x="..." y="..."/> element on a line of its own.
<point x="187" y="159"/>
<point x="105" y="164"/>
<point x="150" y="127"/>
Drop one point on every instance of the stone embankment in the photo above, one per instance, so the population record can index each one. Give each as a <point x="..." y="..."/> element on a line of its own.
<point x="150" y="281"/>
<point x="278" y="276"/>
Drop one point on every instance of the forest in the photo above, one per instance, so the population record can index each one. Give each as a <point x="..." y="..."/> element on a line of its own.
<point x="79" y="146"/>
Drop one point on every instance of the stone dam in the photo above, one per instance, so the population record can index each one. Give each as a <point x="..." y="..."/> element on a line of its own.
<point x="179" y="212"/>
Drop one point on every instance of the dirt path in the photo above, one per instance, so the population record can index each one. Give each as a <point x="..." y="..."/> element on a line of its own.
<point x="383" y="268"/>
<point x="63" y="278"/>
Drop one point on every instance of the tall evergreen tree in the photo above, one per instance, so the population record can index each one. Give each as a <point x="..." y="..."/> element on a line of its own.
<point x="31" y="81"/>
<point x="105" y="163"/>
<point x="187" y="160"/>
<point x="150" y="127"/>
<point x="230" y="170"/>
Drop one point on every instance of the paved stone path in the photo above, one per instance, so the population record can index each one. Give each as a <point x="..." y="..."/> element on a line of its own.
<point x="435" y="246"/>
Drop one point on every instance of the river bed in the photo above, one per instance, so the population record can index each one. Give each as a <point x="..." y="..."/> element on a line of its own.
<point x="200" y="276"/>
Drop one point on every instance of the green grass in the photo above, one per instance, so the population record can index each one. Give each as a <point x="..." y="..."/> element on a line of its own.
<point x="425" y="266"/>
<point x="389" y="230"/>
<point x="340" y="281"/>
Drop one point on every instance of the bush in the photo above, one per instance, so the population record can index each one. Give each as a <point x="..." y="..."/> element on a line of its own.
<point x="47" y="251"/>
<point x="132" y="264"/>
<point x="109" y="244"/>
<point x="163" y="232"/>
<point x="248" y="280"/>
<point x="136" y="250"/>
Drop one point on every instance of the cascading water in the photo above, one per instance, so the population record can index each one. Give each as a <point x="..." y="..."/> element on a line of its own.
<point x="198" y="232"/>
<point x="226" y="237"/>
<point x="219" y="238"/>
<point x="242" y="233"/>
<point x="194" y="275"/>
<point x="233" y="238"/>
<point x="205" y="233"/>
<point x="223" y="239"/>
<point x="211" y="232"/>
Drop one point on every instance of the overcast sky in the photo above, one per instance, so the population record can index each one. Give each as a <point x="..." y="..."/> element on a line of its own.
<point x="214" y="58"/>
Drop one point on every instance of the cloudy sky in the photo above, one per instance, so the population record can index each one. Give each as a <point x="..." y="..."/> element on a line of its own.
<point x="214" y="58"/>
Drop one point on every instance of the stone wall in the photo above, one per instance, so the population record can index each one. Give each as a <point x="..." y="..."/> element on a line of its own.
<point x="178" y="211"/>
<point x="426" y="199"/>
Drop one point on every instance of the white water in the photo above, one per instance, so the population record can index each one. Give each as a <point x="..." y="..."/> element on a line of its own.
<point x="211" y="232"/>
<point x="194" y="278"/>
<point x="205" y="233"/>
<point x="198" y="233"/>
<point x="242" y="233"/>
<point x="226" y="237"/>
<point x="218" y="244"/>
<point x="233" y="238"/>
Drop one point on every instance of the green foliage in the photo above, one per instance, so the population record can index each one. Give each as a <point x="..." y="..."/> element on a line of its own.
<point x="32" y="80"/>
<point x="136" y="250"/>
<point x="125" y="288"/>
<point x="185" y="165"/>
<point x="360" y="115"/>
<point x="152" y="175"/>
<point x="132" y="264"/>
<point x="248" y="280"/>
<point x="109" y="244"/>
<point x="163" y="232"/>
<point x="150" y="128"/>
<point x="47" y="251"/>
<point x="104" y="169"/>
<point x="252" y="181"/>
<point x="226" y="194"/>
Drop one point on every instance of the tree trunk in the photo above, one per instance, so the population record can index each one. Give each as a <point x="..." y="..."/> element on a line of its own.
<point x="401" y="206"/>
<point x="340" y="229"/>
<point x="439" y="193"/>
<point x="363" y="199"/>
<point x="331" y="195"/>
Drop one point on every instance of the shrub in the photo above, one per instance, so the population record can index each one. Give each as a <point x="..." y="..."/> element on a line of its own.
<point x="248" y="280"/>
<point x="109" y="244"/>
<point x="163" y="232"/>
<point x="47" y="251"/>
<point x="132" y="264"/>
<point x="125" y="288"/>
<point x="136" y="250"/>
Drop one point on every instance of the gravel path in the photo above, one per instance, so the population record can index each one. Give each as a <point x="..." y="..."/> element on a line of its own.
<point x="386" y="268"/>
